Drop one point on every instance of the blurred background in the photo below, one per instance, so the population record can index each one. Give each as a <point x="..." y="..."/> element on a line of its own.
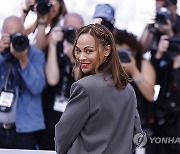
<point x="131" y="15"/>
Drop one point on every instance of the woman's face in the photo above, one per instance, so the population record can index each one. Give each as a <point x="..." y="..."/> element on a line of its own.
<point x="54" y="9"/>
<point x="87" y="54"/>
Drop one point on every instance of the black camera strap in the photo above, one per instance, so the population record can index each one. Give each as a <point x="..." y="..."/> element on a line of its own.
<point x="5" y="81"/>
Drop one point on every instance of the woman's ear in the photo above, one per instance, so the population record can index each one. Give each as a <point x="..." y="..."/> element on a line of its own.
<point x="107" y="50"/>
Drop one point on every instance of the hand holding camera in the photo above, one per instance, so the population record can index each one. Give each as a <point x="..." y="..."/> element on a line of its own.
<point x="17" y="44"/>
<point x="28" y="5"/>
<point x="165" y="28"/>
<point x="162" y="46"/>
<point x="41" y="6"/>
<point x="56" y="36"/>
<point x="4" y="42"/>
<point x="19" y="48"/>
<point x="128" y="61"/>
<point x="170" y="46"/>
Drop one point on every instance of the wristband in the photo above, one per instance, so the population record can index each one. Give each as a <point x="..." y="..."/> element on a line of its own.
<point x="42" y="22"/>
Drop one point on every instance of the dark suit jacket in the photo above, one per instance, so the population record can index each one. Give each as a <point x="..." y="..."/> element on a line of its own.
<point x="99" y="119"/>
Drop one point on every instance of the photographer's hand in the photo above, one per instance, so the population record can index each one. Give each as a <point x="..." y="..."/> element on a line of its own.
<point x="28" y="4"/>
<point x="52" y="69"/>
<point x="4" y="42"/>
<point x="130" y="67"/>
<point x="166" y="29"/>
<point x="176" y="62"/>
<point x="55" y="36"/>
<point x="162" y="46"/>
<point x="21" y="56"/>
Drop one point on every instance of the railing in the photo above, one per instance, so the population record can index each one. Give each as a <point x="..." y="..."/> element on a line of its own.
<point x="16" y="151"/>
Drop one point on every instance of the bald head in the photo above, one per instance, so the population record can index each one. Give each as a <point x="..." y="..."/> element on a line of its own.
<point x="74" y="20"/>
<point x="12" y="24"/>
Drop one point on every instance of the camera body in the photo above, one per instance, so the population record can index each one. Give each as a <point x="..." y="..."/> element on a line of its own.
<point x="174" y="47"/>
<point x="162" y="15"/>
<point x="43" y="6"/>
<point x="124" y="56"/>
<point x="69" y="34"/>
<point x="19" y="41"/>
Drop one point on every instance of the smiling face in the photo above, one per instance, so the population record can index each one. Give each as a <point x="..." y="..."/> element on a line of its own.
<point x="87" y="54"/>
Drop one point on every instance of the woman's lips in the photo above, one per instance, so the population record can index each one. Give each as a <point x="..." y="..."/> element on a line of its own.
<point x="84" y="65"/>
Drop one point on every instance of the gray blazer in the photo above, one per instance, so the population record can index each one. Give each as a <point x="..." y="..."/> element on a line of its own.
<point x="99" y="119"/>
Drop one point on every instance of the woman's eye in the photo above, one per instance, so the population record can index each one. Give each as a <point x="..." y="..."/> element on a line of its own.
<point x="88" y="51"/>
<point x="77" y="51"/>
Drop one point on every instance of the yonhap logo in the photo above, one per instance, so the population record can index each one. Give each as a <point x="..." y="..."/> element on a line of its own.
<point x="140" y="140"/>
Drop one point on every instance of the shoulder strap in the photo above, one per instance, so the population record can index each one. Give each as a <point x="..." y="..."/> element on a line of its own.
<point x="5" y="80"/>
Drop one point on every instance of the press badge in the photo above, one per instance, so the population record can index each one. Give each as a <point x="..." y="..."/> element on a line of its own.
<point x="6" y="100"/>
<point x="60" y="103"/>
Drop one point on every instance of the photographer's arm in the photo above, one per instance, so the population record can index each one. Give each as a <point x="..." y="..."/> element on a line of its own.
<point x="41" y="38"/>
<point x="145" y="79"/>
<point x="26" y="8"/>
<point x="146" y="38"/>
<point x="52" y="69"/>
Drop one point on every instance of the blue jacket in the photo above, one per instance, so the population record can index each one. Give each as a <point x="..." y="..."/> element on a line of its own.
<point x="29" y="114"/>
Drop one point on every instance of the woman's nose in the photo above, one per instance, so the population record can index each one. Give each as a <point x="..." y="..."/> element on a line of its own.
<point x="82" y="56"/>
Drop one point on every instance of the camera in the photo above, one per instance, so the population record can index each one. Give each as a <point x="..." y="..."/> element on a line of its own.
<point x="69" y="34"/>
<point x="19" y="41"/>
<point x="43" y="6"/>
<point x="162" y="15"/>
<point x="124" y="56"/>
<point x="174" y="47"/>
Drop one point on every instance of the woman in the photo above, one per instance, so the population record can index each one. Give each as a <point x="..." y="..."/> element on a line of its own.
<point x="140" y="69"/>
<point x="101" y="114"/>
<point x="40" y="29"/>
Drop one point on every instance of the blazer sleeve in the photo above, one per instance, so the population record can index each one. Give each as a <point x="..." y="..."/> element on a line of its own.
<point x="73" y="119"/>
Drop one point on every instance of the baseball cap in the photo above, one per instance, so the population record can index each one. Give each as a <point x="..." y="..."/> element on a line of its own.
<point x="105" y="11"/>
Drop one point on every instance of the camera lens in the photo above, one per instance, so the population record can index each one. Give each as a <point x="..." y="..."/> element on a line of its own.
<point x="43" y="7"/>
<point x="19" y="42"/>
<point x="69" y="34"/>
<point x="124" y="56"/>
<point x="162" y="15"/>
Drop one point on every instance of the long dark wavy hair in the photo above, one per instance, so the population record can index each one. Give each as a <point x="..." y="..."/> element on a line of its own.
<point x="62" y="12"/>
<point x="124" y="37"/>
<point x="112" y="65"/>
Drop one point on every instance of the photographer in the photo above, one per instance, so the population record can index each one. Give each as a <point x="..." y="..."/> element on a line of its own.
<point x="49" y="13"/>
<point x="21" y="85"/>
<point x="167" y="111"/>
<point x="142" y="73"/>
<point x="164" y="46"/>
<point x="104" y="15"/>
<point x="166" y="22"/>
<point x="59" y="75"/>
